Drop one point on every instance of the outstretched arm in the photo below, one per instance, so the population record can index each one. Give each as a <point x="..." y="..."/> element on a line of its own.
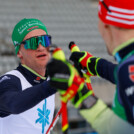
<point x="106" y="69"/>
<point x="94" y="65"/>
<point x="103" y="119"/>
<point x="14" y="101"/>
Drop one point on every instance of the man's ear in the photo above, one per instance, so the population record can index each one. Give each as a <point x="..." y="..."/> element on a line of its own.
<point x="106" y="25"/>
<point x="19" y="54"/>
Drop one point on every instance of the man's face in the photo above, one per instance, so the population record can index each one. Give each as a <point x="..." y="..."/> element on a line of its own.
<point x="35" y="59"/>
<point x="104" y="30"/>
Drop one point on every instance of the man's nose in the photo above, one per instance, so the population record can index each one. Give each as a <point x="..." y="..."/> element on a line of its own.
<point x="40" y="47"/>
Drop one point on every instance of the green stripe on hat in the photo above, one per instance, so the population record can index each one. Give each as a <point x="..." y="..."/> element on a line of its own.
<point x="23" y="27"/>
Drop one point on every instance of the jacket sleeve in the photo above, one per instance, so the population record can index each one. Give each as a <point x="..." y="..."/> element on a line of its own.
<point x="14" y="101"/>
<point x="104" y="121"/>
<point x="105" y="69"/>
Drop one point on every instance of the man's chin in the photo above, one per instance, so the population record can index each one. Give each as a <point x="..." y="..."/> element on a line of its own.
<point x="108" y="51"/>
<point x="43" y="64"/>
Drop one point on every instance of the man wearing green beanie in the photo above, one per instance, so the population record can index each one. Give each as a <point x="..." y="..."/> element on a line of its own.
<point x="23" y="28"/>
<point x="27" y="99"/>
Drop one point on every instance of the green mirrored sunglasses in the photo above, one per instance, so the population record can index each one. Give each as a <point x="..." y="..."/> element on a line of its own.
<point x="33" y="42"/>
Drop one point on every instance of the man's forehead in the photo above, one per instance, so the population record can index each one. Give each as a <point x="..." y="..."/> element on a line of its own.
<point x="36" y="32"/>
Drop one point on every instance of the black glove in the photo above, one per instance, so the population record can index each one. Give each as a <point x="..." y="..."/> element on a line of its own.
<point x="86" y="61"/>
<point x="68" y="82"/>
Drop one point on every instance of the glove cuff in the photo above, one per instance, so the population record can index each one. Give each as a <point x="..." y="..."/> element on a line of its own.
<point x="89" y="102"/>
<point x="97" y="60"/>
<point x="92" y="66"/>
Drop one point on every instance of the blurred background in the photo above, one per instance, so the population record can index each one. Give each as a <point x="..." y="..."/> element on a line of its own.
<point x="66" y="20"/>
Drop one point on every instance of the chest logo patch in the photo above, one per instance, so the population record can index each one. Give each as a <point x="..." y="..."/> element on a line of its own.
<point x="131" y="72"/>
<point x="43" y="116"/>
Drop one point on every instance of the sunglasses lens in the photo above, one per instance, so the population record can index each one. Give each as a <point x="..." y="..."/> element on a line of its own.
<point x="27" y="44"/>
<point x="34" y="42"/>
<point x="40" y="41"/>
<point x="44" y="40"/>
<point x="30" y="44"/>
<point x="48" y="40"/>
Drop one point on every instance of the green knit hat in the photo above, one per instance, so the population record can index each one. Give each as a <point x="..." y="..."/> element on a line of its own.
<point x="23" y="27"/>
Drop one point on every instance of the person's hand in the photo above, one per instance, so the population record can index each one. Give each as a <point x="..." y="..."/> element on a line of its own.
<point x="68" y="82"/>
<point x="86" y="61"/>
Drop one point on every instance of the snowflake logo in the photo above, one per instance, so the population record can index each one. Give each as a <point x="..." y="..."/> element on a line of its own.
<point x="43" y="116"/>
